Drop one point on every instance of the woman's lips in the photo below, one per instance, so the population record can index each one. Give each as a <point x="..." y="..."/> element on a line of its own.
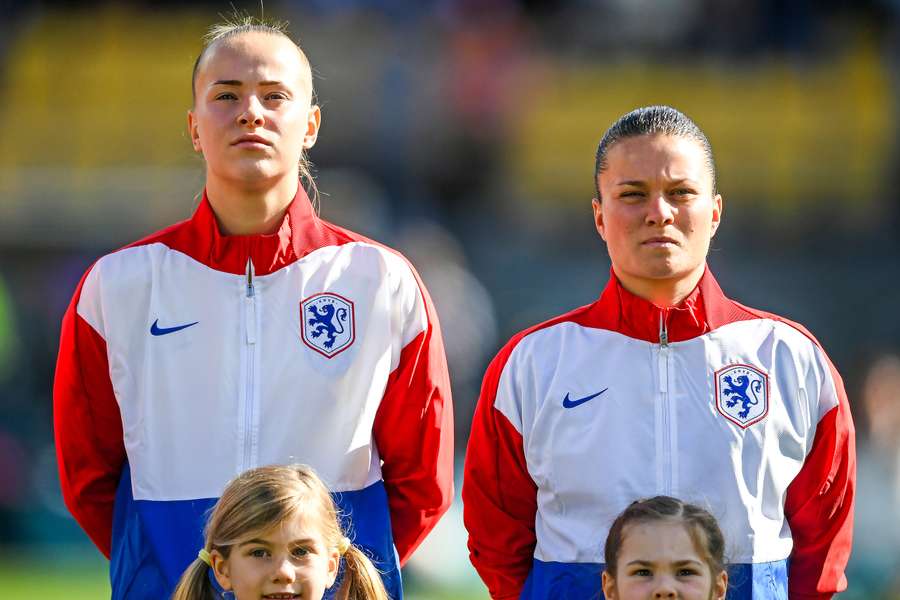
<point x="249" y="144"/>
<point x="251" y="141"/>
<point x="659" y="242"/>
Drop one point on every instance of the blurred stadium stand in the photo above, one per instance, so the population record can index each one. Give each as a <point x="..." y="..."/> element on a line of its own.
<point x="463" y="132"/>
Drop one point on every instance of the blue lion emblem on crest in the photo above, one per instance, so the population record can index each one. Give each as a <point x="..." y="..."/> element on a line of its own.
<point x="742" y="394"/>
<point x="327" y="323"/>
<point x="737" y="392"/>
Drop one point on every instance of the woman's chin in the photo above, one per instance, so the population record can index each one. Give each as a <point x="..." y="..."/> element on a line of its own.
<point x="254" y="174"/>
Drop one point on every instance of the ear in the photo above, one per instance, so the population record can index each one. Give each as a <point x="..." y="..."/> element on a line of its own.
<point x="608" y="583"/>
<point x="194" y="131"/>
<point x="598" y="217"/>
<point x="313" y="122"/>
<point x="718" y="204"/>
<point x="334" y="562"/>
<point x="220" y="569"/>
<point x="720" y="585"/>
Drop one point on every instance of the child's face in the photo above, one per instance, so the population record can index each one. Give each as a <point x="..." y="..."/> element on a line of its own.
<point x="659" y="560"/>
<point x="288" y="561"/>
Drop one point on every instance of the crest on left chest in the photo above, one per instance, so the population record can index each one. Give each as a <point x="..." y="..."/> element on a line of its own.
<point x="742" y="394"/>
<point x="328" y="323"/>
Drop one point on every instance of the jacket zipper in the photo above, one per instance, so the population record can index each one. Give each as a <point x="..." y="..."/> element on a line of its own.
<point x="664" y="415"/>
<point x="248" y="458"/>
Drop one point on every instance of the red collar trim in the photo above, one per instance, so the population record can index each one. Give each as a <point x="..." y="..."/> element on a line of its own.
<point x="269" y="252"/>
<point x="638" y="318"/>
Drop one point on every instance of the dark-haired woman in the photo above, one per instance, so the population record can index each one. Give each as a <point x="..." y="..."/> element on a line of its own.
<point x="661" y="386"/>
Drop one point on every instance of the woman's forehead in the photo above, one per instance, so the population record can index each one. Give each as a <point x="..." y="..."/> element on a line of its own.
<point x="662" y="147"/>
<point x="643" y="156"/>
<point x="255" y="56"/>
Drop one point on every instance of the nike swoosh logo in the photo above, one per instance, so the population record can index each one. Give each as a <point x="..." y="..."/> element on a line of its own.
<point x="155" y="329"/>
<point x="573" y="403"/>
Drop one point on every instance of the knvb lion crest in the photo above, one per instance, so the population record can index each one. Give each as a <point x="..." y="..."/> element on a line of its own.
<point x="742" y="394"/>
<point x="327" y="323"/>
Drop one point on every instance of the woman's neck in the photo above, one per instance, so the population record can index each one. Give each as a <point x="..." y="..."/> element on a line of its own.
<point x="250" y="211"/>
<point x="664" y="293"/>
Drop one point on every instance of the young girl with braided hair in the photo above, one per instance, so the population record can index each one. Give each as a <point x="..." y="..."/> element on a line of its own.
<point x="275" y="533"/>
<point x="662" y="547"/>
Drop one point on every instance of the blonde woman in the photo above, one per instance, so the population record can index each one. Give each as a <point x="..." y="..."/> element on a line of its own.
<point x="252" y="333"/>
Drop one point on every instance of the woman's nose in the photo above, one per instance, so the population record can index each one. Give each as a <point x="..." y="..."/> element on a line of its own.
<point x="659" y="210"/>
<point x="252" y="114"/>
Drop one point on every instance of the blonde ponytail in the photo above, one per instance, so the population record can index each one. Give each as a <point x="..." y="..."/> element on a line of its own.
<point x="194" y="583"/>
<point x="361" y="579"/>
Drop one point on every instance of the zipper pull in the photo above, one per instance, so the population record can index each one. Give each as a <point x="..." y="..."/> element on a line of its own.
<point x="250" y="290"/>
<point x="250" y="305"/>
<point x="663" y="332"/>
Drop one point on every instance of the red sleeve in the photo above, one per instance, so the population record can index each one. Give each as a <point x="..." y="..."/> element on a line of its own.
<point x="87" y="427"/>
<point x="414" y="434"/>
<point x="819" y="506"/>
<point x="499" y="496"/>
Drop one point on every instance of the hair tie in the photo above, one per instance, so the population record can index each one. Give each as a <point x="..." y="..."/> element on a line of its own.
<point x="343" y="545"/>
<point x="204" y="556"/>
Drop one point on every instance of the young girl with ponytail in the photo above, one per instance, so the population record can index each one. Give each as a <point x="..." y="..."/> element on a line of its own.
<point x="274" y="534"/>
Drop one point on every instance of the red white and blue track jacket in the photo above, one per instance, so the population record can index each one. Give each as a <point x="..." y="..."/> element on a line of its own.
<point x="725" y="406"/>
<point x="189" y="357"/>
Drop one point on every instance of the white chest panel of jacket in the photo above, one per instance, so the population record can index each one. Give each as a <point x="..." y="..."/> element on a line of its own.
<point x="606" y="418"/>
<point x="204" y="365"/>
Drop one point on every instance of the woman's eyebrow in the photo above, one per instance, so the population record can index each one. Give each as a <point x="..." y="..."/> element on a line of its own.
<point x="633" y="182"/>
<point x="240" y="83"/>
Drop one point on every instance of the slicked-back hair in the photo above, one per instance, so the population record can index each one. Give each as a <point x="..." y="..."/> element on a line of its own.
<point x="652" y="120"/>
<point x="700" y="525"/>
<point x="239" y="25"/>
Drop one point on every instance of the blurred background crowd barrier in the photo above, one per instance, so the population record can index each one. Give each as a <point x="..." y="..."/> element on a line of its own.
<point x="463" y="133"/>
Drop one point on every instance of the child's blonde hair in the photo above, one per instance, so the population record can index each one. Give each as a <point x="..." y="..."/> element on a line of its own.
<point x="263" y="498"/>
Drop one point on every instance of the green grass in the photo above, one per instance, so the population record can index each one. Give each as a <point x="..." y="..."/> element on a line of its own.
<point x="84" y="577"/>
<point x="75" y="579"/>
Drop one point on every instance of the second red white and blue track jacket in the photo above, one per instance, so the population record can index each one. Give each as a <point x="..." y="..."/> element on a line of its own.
<point x="718" y="404"/>
<point x="189" y="357"/>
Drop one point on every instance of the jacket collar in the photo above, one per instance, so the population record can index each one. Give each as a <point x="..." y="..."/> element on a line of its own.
<point x="636" y="317"/>
<point x="294" y="238"/>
